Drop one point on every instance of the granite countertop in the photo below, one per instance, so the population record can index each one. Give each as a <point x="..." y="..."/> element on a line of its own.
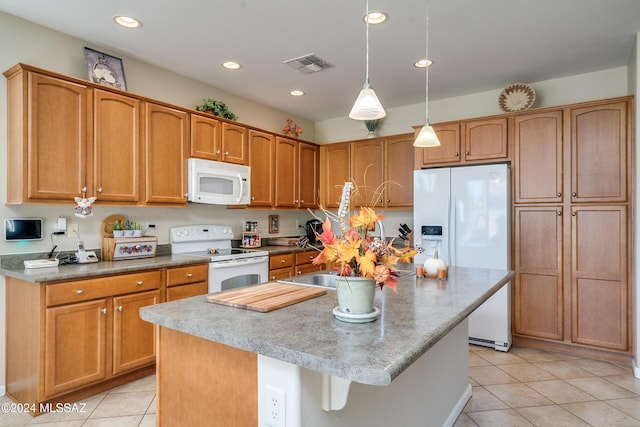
<point x="307" y="334"/>
<point x="15" y="268"/>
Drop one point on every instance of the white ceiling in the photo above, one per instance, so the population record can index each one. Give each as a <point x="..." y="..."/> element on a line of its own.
<point x="477" y="45"/>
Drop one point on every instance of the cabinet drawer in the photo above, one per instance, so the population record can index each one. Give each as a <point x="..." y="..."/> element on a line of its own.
<point x="186" y="291"/>
<point x="305" y="257"/>
<point x="281" y="261"/>
<point x="187" y="274"/>
<point x="100" y="287"/>
<point x="281" y="273"/>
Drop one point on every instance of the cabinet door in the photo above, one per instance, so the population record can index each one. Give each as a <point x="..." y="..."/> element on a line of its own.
<point x="165" y="144"/>
<point x="334" y="172"/>
<point x="206" y="138"/>
<point x="447" y="152"/>
<point x="538" y="302"/>
<point x="262" y="159"/>
<point x="538" y="157"/>
<point x="308" y="159"/>
<point x="599" y="153"/>
<point x="599" y="284"/>
<point x="234" y="144"/>
<point x="485" y="139"/>
<point x="116" y="147"/>
<point x="133" y="339"/>
<point x="398" y="165"/>
<point x="367" y="172"/>
<point x="286" y="173"/>
<point x="57" y="138"/>
<point x="75" y="346"/>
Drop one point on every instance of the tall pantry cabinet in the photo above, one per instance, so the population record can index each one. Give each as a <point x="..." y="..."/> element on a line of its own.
<point x="571" y="227"/>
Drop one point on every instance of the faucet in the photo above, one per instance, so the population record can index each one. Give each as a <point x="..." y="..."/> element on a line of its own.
<point x="382" y="235"/>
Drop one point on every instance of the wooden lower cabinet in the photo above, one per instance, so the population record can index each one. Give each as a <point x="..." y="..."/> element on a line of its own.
<point x="76" y="346"/>
<point x="187" y="281"/>
<point x="68" y="340"/>
<point x="538" y="290"/>
<point x="290" y="264"/>
<point x="600" y="295"/>
<point x="304" y="263"/>
<point x="571" y="289"/>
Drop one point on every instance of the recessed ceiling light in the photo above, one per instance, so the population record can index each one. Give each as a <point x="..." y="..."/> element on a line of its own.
<point x="375" y="17"/>
<point x="296" y="93"/>
<point x="231" y="65"/>
<point x="127" y="21"/>
<point x="421" y="63"/>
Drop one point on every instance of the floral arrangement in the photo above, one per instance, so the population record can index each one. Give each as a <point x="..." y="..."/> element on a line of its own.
<point x="291" y="128"/>
<point x="357" y="254"/>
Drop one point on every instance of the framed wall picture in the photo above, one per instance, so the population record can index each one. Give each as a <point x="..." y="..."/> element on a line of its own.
<point x="105" y="69"/>
<point x="274" y="224"/>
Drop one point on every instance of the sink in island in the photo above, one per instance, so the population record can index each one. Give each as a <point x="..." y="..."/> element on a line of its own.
<point x="299" y="366"/>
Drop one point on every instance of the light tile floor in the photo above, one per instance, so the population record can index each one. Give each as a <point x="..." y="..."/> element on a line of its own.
<point x="524" y="387"/>
<point x="529" y="387"/>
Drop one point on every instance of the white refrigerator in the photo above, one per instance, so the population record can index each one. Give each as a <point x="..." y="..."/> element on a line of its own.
<point x="464" y="213"/>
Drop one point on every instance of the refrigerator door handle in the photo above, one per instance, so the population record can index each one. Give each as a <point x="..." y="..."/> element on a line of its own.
<point x="452" y="233"/>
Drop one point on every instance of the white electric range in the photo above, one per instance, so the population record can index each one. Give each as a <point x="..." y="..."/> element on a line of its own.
<point x="229" y="267"/>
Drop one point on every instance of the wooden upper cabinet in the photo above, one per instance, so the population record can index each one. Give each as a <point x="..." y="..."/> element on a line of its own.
<point x="49" y="127"/>
<point x="367" y="172"/>
<point x="485" y="139"/>
<point x="234" y="143"/>
<point x="308" y="164"/>
<point x="538" y="157"/>
<point x="262" y="159"/>
<point x="398" y="166"/>
<point x="116" y="147"/>
<point x="538" y="302"/>
<point x="599" y="154"/>
<point x="286" y="171"/>
<point x="334" y="171"/>
<point x="166" y="135"/>
<point x="206" y="138"/>
<point x="600" y="295"/>
<point x="448" y="151"/>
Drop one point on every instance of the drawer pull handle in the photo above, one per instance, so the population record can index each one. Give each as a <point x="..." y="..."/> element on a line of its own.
<point x="80" y="291"/>
<point x="189" y="275"/>
<point x="120" y="308"/>
<point x="283" y="261"/>
<point x="140" y="282"/>
<point x="103" y="310"/>
<point x="273" y="277"/>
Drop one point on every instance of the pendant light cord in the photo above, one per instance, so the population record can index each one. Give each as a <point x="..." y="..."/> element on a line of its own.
<point x="367" y="41"/>
<point x="426" y="70"/>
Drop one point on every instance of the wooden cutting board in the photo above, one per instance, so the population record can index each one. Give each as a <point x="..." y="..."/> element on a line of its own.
<point x="265" y="297"/>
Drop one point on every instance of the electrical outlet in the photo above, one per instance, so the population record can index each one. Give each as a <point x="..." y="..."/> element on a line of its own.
<point x="275" y="407"/>
<point x="73" y="231"/>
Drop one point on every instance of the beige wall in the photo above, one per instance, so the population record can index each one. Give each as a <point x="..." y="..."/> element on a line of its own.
<point x="21" y="41"/>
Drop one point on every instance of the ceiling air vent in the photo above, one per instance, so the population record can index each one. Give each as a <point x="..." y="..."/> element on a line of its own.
<point x="308" y="64"/>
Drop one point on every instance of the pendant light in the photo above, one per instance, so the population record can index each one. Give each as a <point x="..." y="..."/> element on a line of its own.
<point x="367" y="105"/>
<point x="427" y="136"/>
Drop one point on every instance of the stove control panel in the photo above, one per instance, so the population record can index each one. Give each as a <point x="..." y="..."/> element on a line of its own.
<point x="199" y="233"/>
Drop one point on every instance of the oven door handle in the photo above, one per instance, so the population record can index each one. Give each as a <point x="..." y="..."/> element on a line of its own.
<point x="238" y="262"/>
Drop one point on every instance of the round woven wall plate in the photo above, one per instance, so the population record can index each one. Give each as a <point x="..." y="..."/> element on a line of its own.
<point x="516" y="97"/>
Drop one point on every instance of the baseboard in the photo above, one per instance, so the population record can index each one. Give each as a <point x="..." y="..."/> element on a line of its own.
<point x="3" y="390"/>
<point x="636" y="368"/>
<point x="459" y="407"/>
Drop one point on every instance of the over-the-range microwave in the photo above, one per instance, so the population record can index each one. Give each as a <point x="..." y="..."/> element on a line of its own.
<point x="218" y="183"/>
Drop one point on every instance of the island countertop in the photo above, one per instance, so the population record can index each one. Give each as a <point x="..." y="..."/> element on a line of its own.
<point x="306" y="334"/>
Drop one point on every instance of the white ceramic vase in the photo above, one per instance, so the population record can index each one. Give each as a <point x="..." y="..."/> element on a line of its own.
<point x="355" y="294"/>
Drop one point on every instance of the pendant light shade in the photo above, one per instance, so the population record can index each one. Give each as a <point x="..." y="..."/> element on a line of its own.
<point x="367" y="105"/>
<point x="427" y="136"/>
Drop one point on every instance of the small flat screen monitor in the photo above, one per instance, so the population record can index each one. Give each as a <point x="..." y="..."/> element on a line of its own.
<point x="17" y="229"/>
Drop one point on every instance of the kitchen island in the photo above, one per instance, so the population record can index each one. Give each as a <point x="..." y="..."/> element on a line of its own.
<point x="299" y="366"/>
